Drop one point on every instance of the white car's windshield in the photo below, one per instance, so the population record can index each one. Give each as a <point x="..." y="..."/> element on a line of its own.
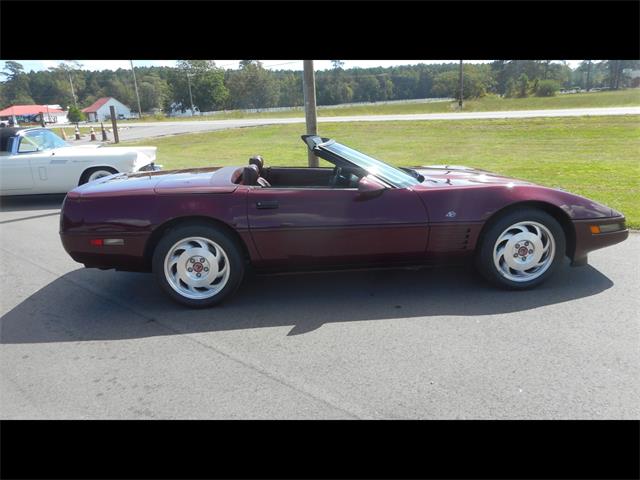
<point x="395" y="176"/>
<point x="42" y="140"/>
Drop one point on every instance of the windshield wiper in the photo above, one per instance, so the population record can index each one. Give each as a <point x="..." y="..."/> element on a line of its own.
<point x="413" y="173"/>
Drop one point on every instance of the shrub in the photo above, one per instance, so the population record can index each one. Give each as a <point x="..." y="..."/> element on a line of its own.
<point x="547" y="88"/>
<point x="75" y="115"/>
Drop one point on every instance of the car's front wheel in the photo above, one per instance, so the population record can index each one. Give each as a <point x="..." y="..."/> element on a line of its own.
<point x="198" y="265"/>
<point x="521" y="249"/>
<point x="95" y="173"/>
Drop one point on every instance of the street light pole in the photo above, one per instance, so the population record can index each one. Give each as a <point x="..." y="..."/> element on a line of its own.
<point x="135" y="83"/>
<point x="309" y="86"/>
<point x="461" y="85"/>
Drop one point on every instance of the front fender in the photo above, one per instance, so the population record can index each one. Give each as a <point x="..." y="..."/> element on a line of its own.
<point x="478" y="204"/>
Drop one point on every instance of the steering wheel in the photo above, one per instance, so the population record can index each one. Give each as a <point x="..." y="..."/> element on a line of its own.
<point x="337" y="172"/>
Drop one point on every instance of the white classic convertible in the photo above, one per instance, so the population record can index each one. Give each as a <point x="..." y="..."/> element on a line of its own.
<point x="36" y="160"/>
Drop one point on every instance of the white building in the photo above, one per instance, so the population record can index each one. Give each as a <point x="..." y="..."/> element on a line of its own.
<point x="99" y="111"/>
<point x="19" y="114"/>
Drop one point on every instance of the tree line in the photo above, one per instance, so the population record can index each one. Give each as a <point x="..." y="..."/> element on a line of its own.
<point x="251" y="86"/>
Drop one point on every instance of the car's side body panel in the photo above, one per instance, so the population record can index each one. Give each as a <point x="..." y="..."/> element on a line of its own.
<point x="323" y="226"/>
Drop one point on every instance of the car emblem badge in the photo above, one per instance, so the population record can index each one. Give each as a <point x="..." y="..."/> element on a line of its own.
<point x="197" y="267"/>
<point x="450" y="214"/>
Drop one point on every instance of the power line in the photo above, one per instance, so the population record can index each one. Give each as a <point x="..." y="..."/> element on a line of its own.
<point x="286" y="63"/>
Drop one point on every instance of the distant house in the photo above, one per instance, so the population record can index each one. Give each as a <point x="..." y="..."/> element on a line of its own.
<point x="99" y="110"/>
<point x="34" y="114"/>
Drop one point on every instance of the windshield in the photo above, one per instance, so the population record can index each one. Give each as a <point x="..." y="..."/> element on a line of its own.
<point x="41" y="140"/>
<point x="378" y="168"/>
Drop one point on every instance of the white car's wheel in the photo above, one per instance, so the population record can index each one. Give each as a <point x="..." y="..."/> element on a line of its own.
<point x="96" y="173"/>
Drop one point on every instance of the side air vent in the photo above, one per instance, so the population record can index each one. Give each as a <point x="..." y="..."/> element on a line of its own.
<point x="465" y="242"/>
<point x="447" y="238"/>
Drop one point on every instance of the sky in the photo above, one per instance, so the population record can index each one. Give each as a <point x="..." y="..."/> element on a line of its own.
<point x="38" y="65"/>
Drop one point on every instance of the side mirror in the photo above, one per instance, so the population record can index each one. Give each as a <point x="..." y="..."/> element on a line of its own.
<point x="370" y="186"/>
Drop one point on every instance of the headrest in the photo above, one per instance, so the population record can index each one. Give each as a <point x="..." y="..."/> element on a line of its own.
<point x="250" y="175"/>
<point x="258" y="162"/>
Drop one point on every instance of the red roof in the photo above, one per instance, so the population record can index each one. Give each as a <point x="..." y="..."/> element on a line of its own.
<point x="28" y="110"/>
<point x="96" y="105"/>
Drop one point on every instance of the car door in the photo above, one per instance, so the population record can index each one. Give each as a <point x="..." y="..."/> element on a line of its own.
<point x="54" y="170"/>
<point x="15" y="170"/>
<point x="336" y="226"/>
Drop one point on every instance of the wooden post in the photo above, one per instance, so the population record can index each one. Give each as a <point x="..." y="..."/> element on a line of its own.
<point x="309" y="86"/>
<point x="114" y="123"/>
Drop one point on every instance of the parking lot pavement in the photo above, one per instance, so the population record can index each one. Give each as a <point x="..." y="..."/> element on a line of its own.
<point x="77" y="343"/>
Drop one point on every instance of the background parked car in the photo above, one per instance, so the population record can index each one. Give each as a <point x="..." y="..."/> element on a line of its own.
<point x="36" y="160"/>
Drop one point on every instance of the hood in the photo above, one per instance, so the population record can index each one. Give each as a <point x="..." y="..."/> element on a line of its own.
<point x="475" y="204"/>
<point x="460" y="176"/>
<point x="194" y="180"/>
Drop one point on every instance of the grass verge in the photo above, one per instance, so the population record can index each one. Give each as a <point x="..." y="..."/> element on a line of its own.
<point x="598" y="157"/>
<point x="490" y="103"/>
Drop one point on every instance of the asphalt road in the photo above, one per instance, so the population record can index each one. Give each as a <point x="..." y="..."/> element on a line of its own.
<point x="77" y="343"/>
<point x="141" y="130"/>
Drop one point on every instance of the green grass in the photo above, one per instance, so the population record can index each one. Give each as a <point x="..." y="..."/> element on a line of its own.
<point x="620" y="98"/>
<point x="598" y="157"/>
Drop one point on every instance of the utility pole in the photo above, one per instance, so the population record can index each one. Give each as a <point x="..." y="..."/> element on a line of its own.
<point x="309" y="86"/>
<point x="461" y="85"/>
<point x="135" y="83"/>
<point x="73" y="93"/>
<point x="588" y="75"/>
<point x="193" y="111"/>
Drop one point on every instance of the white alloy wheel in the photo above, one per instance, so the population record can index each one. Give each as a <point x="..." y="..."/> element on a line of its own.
<point x="524" y="251"/>
<point x="197" y="268"/>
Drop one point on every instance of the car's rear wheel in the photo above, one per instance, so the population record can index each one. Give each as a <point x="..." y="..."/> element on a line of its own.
<point x="95" y="173"/>
<point x="198" y="265"/>
<point x="521" y="249"/>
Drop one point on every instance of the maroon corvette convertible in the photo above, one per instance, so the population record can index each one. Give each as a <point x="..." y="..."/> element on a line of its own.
<point x="198" y="230"/>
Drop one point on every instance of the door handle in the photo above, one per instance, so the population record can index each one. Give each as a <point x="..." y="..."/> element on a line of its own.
<point x="267" y="204"/>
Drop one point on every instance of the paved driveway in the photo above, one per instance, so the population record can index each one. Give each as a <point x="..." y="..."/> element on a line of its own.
<point x="78" y="343"/>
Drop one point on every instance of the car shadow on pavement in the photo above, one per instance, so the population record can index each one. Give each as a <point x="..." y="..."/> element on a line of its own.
<point x="25" y="203"/>
<point x="86" y="305"/>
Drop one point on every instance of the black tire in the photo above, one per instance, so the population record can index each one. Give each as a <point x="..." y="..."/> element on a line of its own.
<point x="84" y="178"/>
<point x="223" y="239"/>
<point x="484" y="258"/>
